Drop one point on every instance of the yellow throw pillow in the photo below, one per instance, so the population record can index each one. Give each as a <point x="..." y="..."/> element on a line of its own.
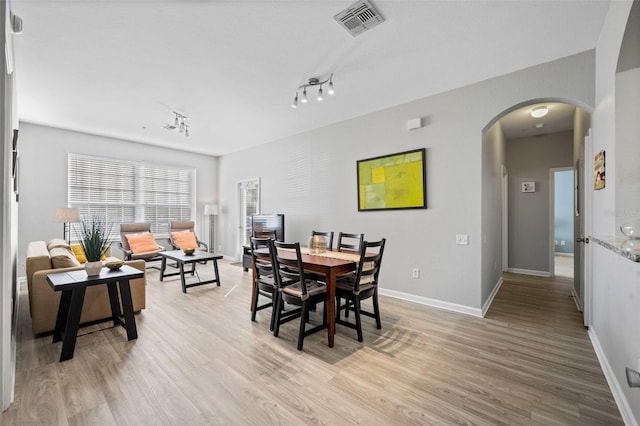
<point x="77" y="250"/>
<point x="142" y="243"/>
<point x="185" y="239"/>
<point x="82" y="258"/>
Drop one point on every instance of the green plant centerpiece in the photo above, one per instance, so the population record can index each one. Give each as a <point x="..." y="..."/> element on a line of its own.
<point x="93" y="236"/>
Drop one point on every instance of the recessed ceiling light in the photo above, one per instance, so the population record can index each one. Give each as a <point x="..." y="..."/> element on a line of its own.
<point x="540" y="111"/>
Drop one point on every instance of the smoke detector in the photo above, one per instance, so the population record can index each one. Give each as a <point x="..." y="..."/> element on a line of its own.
<point x="359" y="17"/>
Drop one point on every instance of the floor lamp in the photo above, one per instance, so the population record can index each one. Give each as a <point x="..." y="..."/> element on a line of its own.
<point x="66" y="216"/>
<point x="211" y="210"/>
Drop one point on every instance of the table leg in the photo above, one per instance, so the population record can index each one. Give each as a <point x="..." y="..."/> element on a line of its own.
<point x="331" y="305"/>
<point x="163" y="266"/>
<point x="182" y="278"/>
<point x="215" y="269"/>
<point x="73" y="323"/>
<point x="63" y="314"/>
<point x="127" y="306"/>
<point x="115" y="302"/>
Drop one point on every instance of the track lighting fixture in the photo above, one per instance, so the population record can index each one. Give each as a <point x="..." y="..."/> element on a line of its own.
<point x="312" y="83"/>
<point x="179" y="123"/>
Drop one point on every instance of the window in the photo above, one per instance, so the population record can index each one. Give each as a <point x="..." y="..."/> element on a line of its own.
<point x="249" y="197"/>
<point x="127" y="192"/>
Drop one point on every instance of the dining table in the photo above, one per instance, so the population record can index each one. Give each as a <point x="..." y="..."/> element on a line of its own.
<point x="331" y="264"/>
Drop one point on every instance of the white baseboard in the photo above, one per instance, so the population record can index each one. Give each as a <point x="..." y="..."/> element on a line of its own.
<point x="576" y="299"/>
<point x="559" y="253"/>
<point x="529" y="272"/>
<point x="614" y="385"/>
<point x="432" y="302"/>
<point x="489" y="301"/>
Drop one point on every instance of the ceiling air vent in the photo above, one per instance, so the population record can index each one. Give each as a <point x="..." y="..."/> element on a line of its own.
<point x="359" y="17"/>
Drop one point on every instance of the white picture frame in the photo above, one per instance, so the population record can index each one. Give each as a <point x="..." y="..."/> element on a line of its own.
<point x="528" y="187"/>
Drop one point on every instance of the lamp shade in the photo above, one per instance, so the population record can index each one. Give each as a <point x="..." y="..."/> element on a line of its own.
<point x="210" y="209"/>
<point x="67" y="215"/>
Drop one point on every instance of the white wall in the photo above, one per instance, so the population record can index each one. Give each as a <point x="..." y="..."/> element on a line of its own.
<point x="581" y="125"/>
<point x="628" y="147"/>
<point x="494" y="147"/>
<point x="615" y="322"/>
<point x="529" y="160"/>
<point x="43" y="173"/>
<point x="311" y="178"/>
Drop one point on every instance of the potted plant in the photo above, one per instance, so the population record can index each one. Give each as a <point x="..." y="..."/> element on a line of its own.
<point x="94" y="238"/>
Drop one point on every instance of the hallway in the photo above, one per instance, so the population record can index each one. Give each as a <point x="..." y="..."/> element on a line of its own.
<point x="552" y="346"/>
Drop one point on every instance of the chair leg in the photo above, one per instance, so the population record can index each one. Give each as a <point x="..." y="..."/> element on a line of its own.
<point x="278" y="311"/>
<point x="254" y="304"/>
<point x="356" y="310"/>
<point x="324" y="313"/>
<point x="376" y="310"/>
<point x="274" y="306"/>
<point x="337" y="308"/>
<point x="303" y="321"/>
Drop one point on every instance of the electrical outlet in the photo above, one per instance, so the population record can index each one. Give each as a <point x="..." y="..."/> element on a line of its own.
<point x="220" y="247"/>
<point x="555" y="242"/>
<point x="462" y="239"/>
<point x="562" y="242"/>
<point x="415" y="273"/>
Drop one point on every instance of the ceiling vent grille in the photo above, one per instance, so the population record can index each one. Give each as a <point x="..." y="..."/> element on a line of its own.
<point x="359" y="17"/>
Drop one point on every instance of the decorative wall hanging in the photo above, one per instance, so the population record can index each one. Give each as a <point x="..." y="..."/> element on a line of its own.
<point x="396" y="181"/>
<point x="599" y="170"/>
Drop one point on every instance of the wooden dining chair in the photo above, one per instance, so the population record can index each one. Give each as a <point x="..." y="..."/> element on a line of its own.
<point x="296" y="289"/>
<point x="350" y="241"/>
<point x="362" y="285"/>
<point x="328" y="235"/>
<point x="264" y="284"/>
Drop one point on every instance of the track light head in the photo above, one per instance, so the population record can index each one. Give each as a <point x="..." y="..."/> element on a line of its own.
<point x="312" y="82"/>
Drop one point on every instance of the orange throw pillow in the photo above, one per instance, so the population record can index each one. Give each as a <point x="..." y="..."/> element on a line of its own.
<point x="142" y="243"/>
<point x="185" y="239"/>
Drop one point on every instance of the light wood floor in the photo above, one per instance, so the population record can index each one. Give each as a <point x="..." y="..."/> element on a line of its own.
<point x="200" y="360"/>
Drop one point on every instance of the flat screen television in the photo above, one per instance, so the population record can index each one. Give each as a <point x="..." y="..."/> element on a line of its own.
<point x="268" y="222"/>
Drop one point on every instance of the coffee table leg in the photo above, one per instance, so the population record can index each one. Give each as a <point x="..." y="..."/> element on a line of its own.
<point x="163" y="266"/>
<point x="73" y="323"/>
<point x="215" y="269"/>
<point x="182" y="279"/>
<point x="127" y="306"/>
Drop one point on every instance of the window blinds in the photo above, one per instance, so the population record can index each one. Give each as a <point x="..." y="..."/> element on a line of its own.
<point x="127" y="192"/>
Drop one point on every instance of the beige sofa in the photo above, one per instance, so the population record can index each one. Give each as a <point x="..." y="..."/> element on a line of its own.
<point x="46" y="258"/>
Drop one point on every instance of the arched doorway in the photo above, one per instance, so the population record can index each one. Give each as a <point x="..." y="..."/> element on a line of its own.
<point x="519" y="153"/>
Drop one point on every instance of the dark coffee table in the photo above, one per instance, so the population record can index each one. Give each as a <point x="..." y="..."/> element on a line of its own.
<point x="73" y="285"/>
<point x="181" y="259"/>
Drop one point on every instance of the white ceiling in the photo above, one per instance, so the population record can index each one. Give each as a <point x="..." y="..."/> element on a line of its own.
<point x="119" y="68"/>
<point x="520" y="123"/>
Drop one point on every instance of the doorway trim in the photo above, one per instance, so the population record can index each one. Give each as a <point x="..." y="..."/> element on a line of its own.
<point x="505" y="219"/>
<point x="552" y="216"/>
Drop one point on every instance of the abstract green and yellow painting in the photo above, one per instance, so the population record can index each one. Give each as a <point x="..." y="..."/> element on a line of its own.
<point x="395" y="181"/>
